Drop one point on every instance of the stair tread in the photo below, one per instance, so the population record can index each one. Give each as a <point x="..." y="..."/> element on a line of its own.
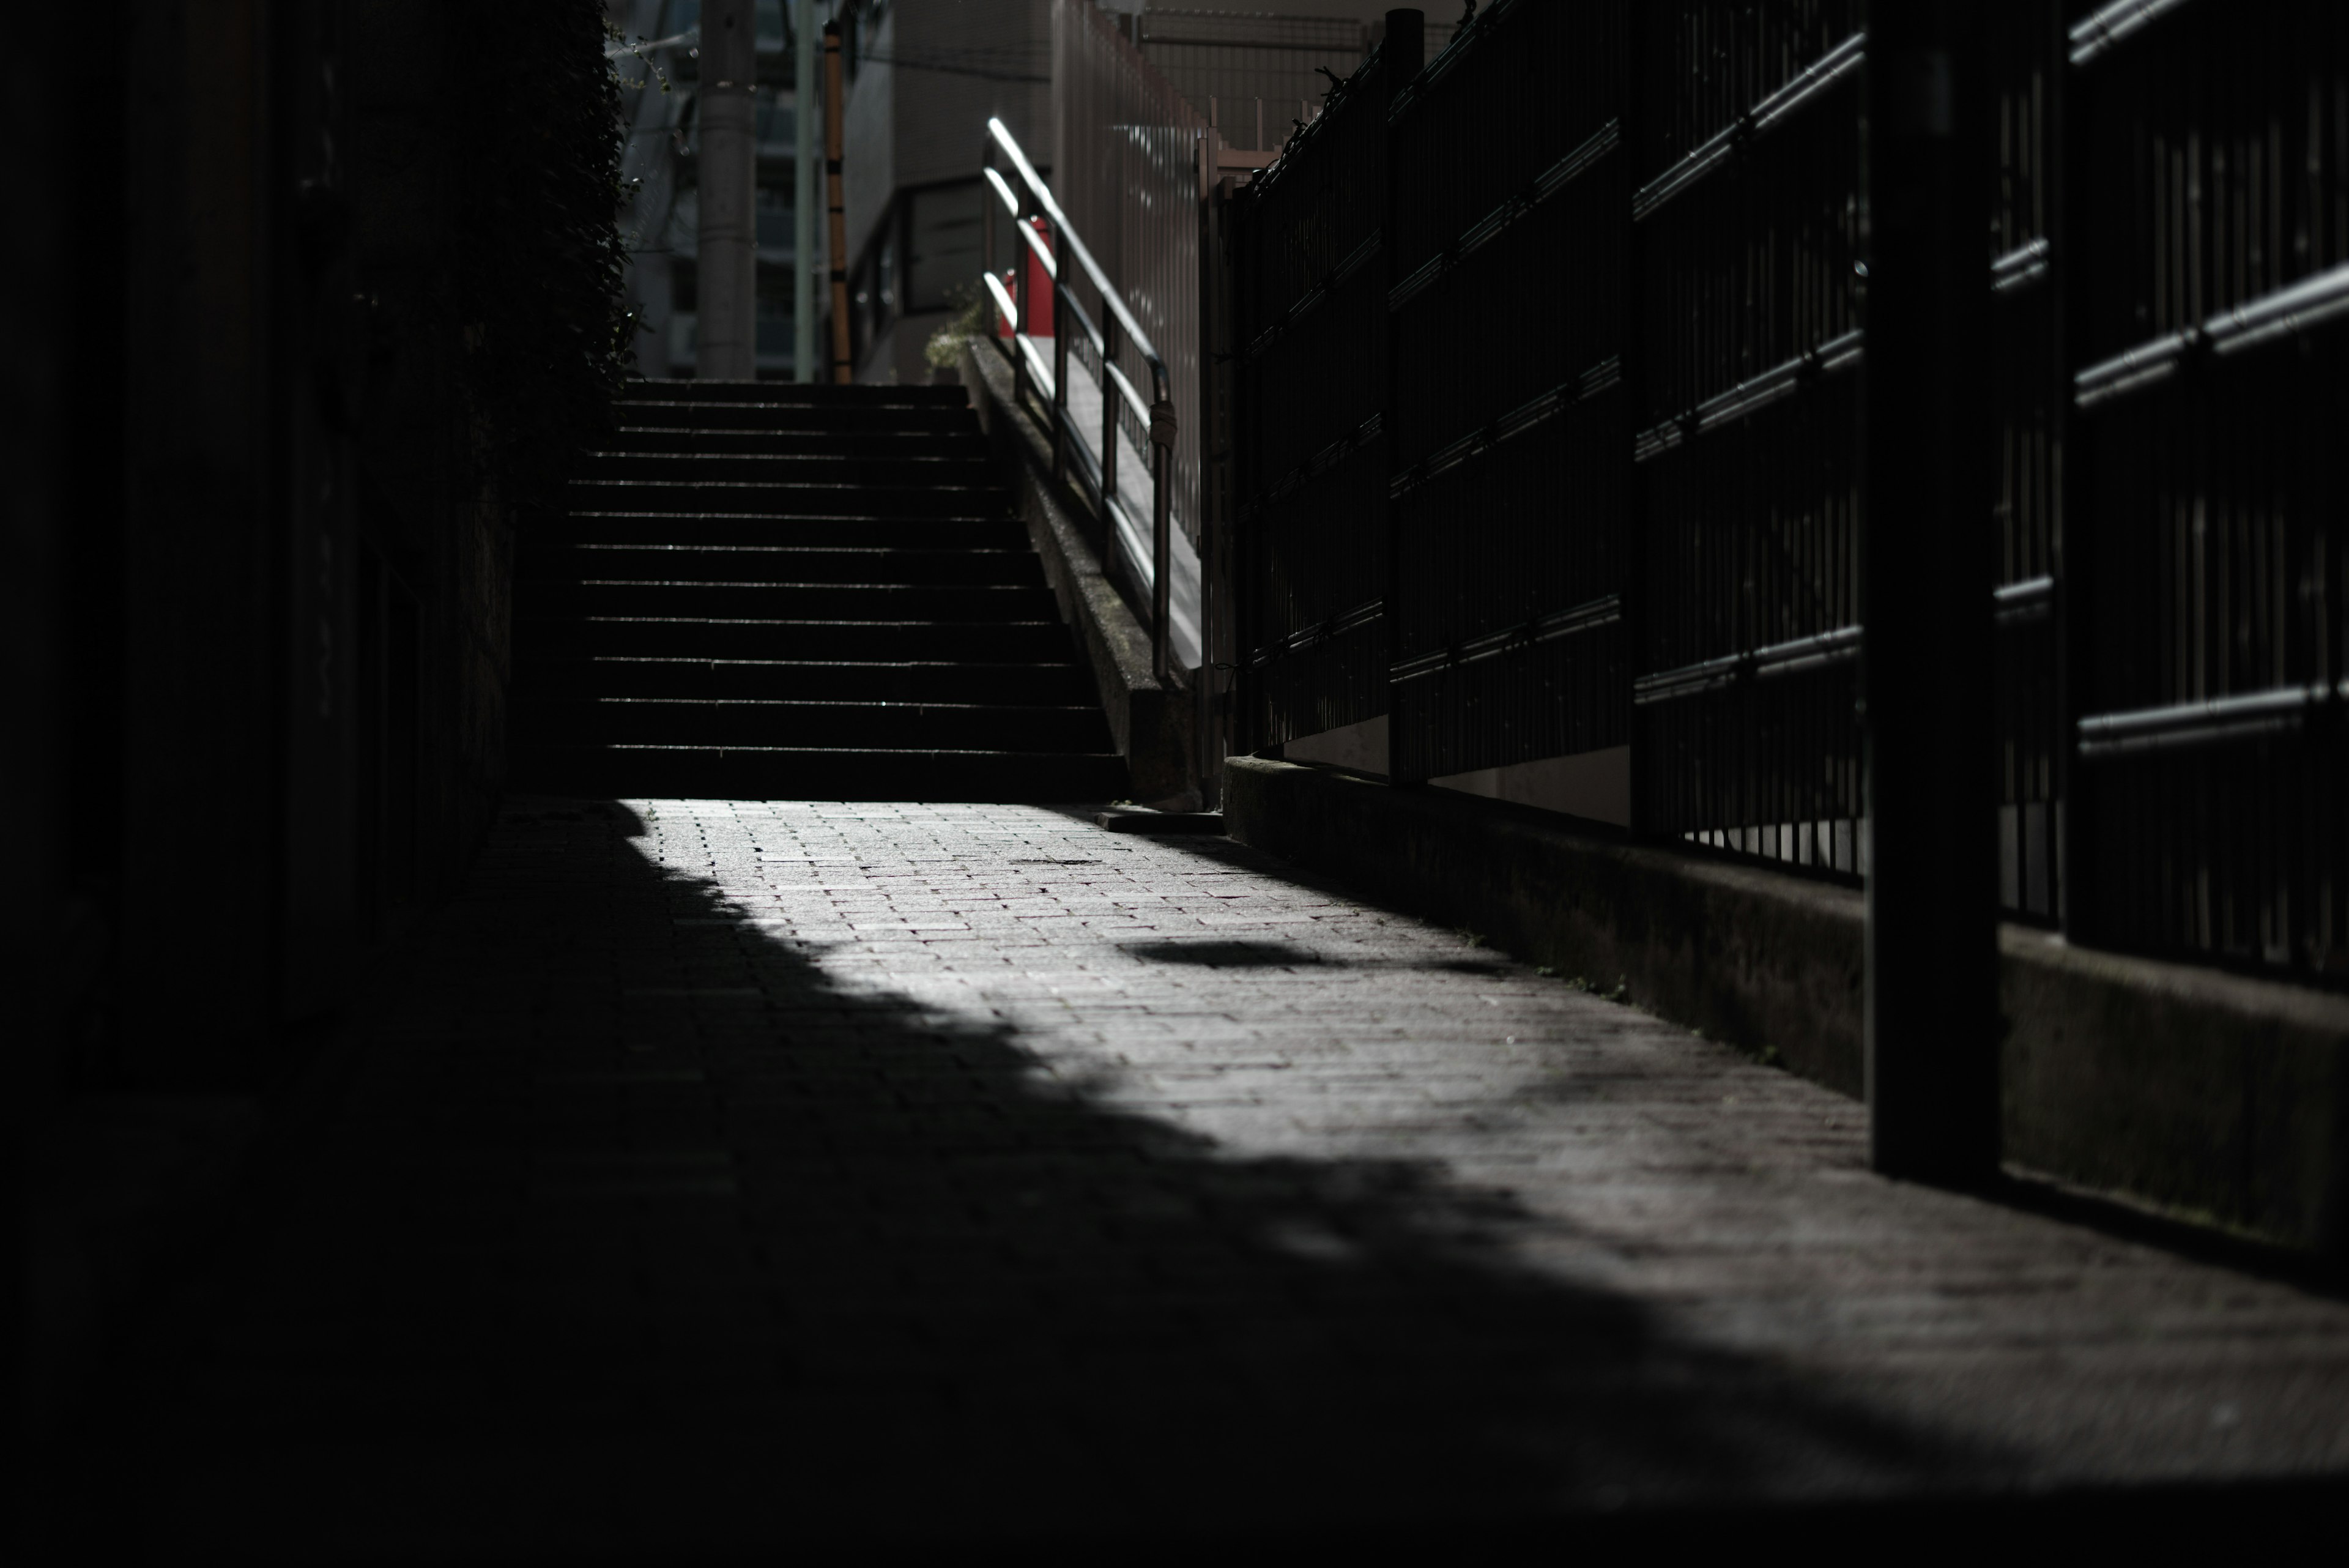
<point x="679" y="629"/>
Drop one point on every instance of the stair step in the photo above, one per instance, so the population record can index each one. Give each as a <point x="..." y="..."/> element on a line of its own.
<point x="780" y="772"/>
<point x="789" y="564"/>
<point x="912" y="471"/>
<point x="688" y="389"/>
<point x="766" y="721"/>
<point x="691" y="598"/>
<point x="868" y="421"/>
<point x="768" y="589"/>
<point x="813" y="533"/>
<point x="786" y="500"/>
<point x="681" y="439"/>
<point x="1040" y="640"/>
<point x="1055" y="684"/>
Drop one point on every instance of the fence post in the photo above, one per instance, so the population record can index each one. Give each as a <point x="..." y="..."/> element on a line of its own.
<point x="1927" y="492"/>
<point x="1239" y="474"/>
<point x="1401" y="56"/>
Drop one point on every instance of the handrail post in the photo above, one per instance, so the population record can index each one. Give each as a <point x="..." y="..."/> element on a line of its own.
<point x="1109" y="419"/>
<point x="1060" y="298"/>
<point x="1162" y="541"/>
<point x="1019" y="268"/>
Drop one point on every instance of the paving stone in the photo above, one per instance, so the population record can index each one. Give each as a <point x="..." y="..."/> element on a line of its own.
<point x="712" y="1175"/>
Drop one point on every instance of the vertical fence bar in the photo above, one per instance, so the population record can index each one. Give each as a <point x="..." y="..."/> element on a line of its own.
<point x="1927" y="576"/>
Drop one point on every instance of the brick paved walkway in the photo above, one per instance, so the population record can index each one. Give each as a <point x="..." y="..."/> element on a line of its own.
<point x="763" y="1169"/>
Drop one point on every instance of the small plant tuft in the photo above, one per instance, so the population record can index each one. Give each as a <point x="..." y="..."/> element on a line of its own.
<point x="944" y="350"/>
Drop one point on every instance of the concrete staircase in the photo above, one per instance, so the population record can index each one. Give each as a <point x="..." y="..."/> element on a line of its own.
<point x="766" y="590"/>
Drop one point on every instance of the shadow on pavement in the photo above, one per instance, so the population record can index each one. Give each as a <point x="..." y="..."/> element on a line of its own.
<point x="637" y="1232"/>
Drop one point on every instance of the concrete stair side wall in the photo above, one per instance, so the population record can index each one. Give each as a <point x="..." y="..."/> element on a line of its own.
<point x="1151" y="725"/>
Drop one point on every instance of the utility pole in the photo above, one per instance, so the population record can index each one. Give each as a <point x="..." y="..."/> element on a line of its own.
<point x="728" y="266"/>
<point x="842" y="370"/>
<point x="803" y="178"/>
<point x="1928" y="487"/>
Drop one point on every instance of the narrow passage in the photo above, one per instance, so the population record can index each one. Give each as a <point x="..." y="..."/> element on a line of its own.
<point x="716" y="1175"/>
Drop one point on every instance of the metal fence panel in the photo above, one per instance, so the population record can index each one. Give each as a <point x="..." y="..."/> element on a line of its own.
<point x="1311" y="465"/>
<point x="1612" y="488"/>
<point x="1747" y="150"/>
<point x="2213" y="297"/>
<point x="2025" y="57"/>
<point x="1509" y="480"/>
<point x="1127" y="172"/>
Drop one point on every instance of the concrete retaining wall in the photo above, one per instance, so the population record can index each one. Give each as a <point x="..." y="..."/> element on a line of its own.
<point x="2220" y="1094"/>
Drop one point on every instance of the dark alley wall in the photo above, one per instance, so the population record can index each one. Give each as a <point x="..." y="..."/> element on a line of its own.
<point x="306" y="311"/>
<point x="291" y="387"/>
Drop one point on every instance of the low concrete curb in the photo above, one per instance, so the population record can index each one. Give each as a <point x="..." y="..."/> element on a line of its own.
<point x="2220" y="1094"/>
<point x="1151" y="724"/>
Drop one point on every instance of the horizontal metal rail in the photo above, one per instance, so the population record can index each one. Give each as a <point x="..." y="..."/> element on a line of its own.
<point x="1836" y="353"/>
<point x="2097" y="34"/>
<point x="2313" y="302"/>
<point x="1551" y="181"/>
<point x="1155" y="413"/>
<point x="2032" y="599"/>
<point x="1310" y="300"/>
<point x="1529" y="415"/>
<point x="2214" y="723"/>
<point x="1319" y="632"/>
<point x="1320" y="462"/>
<point x="1478" y="25"/>
<point x="1036" y="365"/>
<point x="2017" y="604"/>
<point x="2021" y="267"/>
<point x="1840" y="645"/>
<point x="1607" y="610"/>
<point x="1823" y="74"/>
<point x="1110" y="300"/>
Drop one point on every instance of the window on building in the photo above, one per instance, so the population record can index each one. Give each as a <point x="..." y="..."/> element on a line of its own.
<point x="945" y="233"/>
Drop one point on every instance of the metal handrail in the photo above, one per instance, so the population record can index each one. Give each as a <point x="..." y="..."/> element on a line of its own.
<point x="1157" y="415"/>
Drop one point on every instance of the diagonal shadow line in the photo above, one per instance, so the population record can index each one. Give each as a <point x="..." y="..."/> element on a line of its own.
<point x="642" y="1230"/>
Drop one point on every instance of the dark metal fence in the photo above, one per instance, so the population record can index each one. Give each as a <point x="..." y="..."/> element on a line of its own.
<point x="1744" y="223"/>
<point x="1506" y="478"/>
<point x="1548" y="437"/>
<point x="1309" y="470"/>
<point x="2204" y="562"/>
